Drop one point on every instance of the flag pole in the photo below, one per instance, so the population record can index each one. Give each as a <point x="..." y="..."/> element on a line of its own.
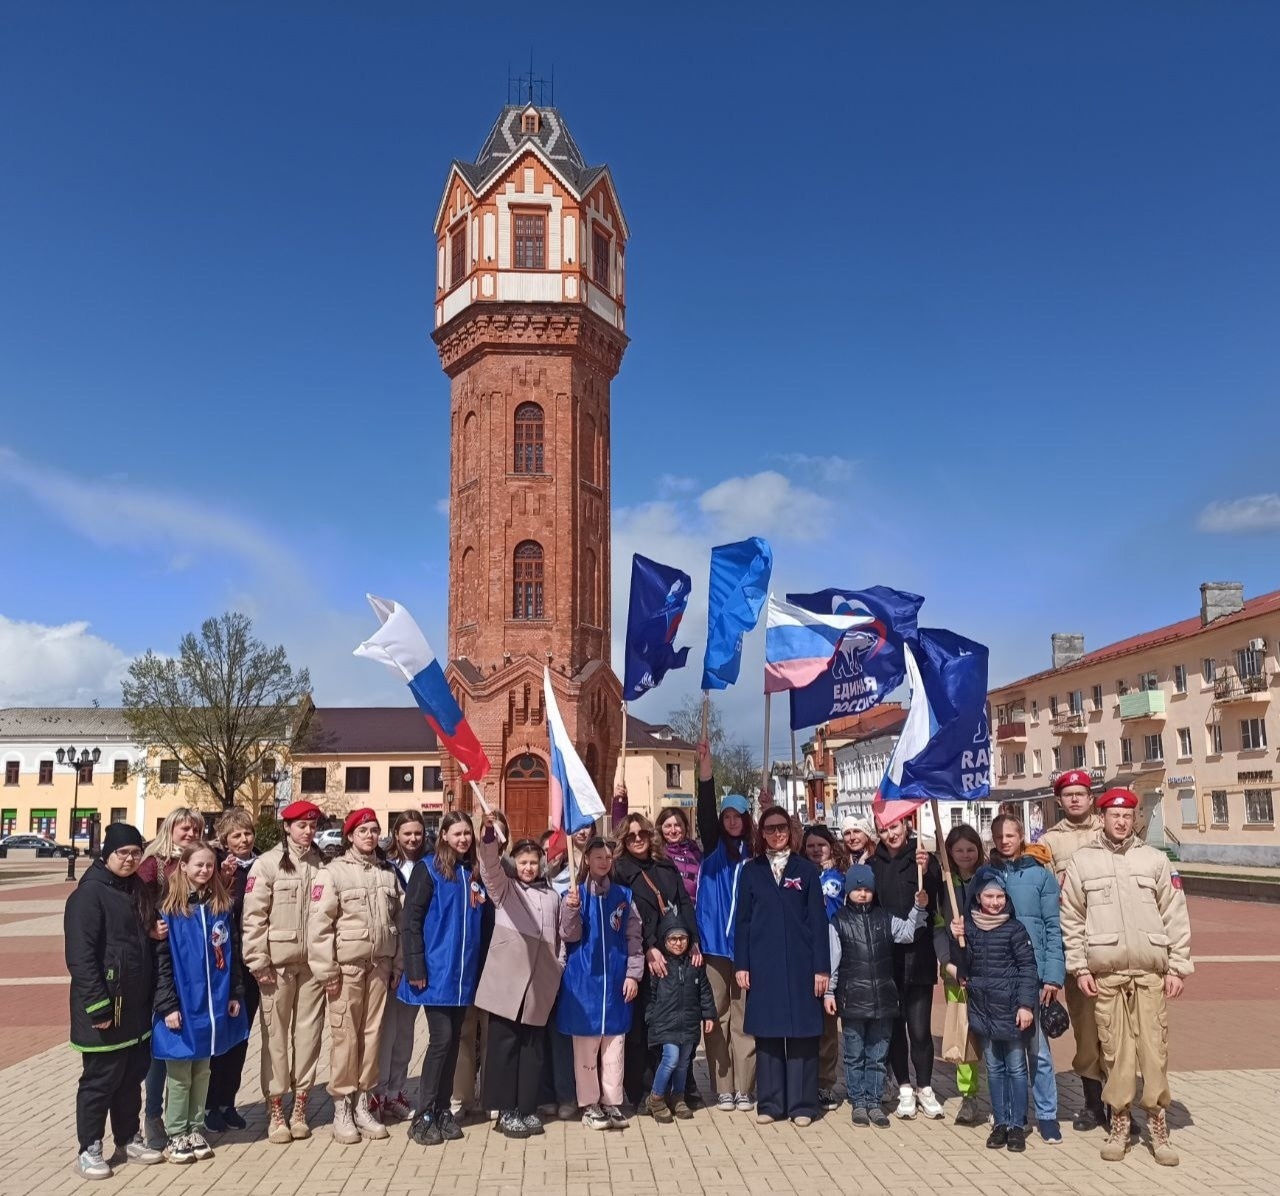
<point x="487" y="808"/>
<point x="944" y="861"/>
<point x="621" y="778"/>
<point x="793" y="774"/>
<point x="706" y="713"/>
<point x="765" y="787"/>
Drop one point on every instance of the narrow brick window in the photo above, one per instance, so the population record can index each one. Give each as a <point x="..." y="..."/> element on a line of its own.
<point x="528" y="439"/>
<point x="600" y="244"/>
<point x="527" y="584"/>
<point x="530" y="241"/>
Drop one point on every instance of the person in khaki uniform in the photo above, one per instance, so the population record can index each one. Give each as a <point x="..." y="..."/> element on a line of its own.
<point x="277" y="897"/>
<point x="354" y="947"/>
<point x="1079" y="828"/>
<point x="1128" y="944"/>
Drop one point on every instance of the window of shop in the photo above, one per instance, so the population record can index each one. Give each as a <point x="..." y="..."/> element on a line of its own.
<point x="1187" y="805"/>
<point x="8" y="822"/>
<point x="1258" y="810"/>
<point x="1218" y="799"/>
<point x="45" y="822"/>
<point x="81" y="820"/>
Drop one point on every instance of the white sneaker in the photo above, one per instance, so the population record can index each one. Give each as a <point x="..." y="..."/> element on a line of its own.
<point x="906" y="1103"/>
<point x="725" y="1102"/>
<point x="930" y="1105"/>
<point x="91" y="1164"/>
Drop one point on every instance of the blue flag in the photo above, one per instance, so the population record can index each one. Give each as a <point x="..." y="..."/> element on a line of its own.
<point x="737" y="593"/>
<point x="868" y="664"/>
<point x="659" y="595"/>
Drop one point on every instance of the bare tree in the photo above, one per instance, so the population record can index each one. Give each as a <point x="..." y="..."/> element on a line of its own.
<point x="731" y="759"/>
<point x="225" y="708"/>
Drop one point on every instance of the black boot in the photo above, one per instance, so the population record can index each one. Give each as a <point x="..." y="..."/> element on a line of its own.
<point x="1094" y="1114"/>
<point x="424" y="1130"/>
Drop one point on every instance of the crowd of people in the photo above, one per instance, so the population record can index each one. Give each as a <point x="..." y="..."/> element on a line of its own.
<point x="577" y="979"/>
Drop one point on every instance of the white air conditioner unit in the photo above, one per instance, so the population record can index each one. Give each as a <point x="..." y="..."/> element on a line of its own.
<point x="1257" y="645"/>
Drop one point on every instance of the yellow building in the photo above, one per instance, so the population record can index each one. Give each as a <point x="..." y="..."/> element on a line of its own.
<point x="661" y="769"/>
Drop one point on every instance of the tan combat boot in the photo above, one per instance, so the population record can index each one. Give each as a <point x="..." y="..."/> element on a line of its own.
<point x="1158" y="1124"/>
<point x="344" y="1126"/>
<point x="1113" y="1149"/>
<point x="298" y="1127"/>
<point x="277" y="1129"/>
<point x="368" y="1125"/>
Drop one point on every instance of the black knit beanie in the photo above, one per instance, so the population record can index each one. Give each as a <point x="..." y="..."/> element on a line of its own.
<point x="121" y="834"/>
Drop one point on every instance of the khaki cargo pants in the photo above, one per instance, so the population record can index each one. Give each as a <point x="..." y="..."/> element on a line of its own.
<point x="1087" y="1063"/>
<point x="1133" y="1025"/>
<point x="292" y="1018"/>
<point x="355" y="1028"/>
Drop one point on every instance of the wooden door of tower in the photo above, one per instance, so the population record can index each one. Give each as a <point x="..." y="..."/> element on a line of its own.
<point x="526" y="798"/>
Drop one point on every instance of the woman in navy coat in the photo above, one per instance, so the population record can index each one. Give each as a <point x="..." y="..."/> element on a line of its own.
<point x="782" y="960"/>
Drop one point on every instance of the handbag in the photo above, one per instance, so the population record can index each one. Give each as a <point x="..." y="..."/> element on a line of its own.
<point x="958" y="1045"/>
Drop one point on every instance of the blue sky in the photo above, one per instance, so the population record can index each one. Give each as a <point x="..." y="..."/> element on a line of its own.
<point x="975" y="300"/>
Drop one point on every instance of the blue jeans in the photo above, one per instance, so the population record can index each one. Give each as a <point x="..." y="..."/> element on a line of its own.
<point x="558" y="1084"/>
<point x="1044" y="1081"/>
<point x="672" y="1068"/>
<point x="1007" y="1078"/>
<point x="155" y="1088"/>
<point x="866" y="1046"/>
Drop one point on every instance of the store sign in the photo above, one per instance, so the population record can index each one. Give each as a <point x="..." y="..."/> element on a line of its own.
<point x="1182" y="781"/>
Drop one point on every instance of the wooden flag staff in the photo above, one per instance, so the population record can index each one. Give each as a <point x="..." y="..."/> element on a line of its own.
<point x="765" y="787"/>
<point x="487" y="808"/>
<point x="944" y="861"/>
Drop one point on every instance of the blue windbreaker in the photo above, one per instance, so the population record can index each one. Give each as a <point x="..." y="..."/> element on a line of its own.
<point x="717" y="904"/>
<point x="451" y="939"/>
<point x="591" y="1001"/>
<point x="199" y="958"/>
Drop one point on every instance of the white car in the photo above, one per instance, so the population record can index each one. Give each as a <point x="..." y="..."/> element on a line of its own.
<point x="329" y="842"/>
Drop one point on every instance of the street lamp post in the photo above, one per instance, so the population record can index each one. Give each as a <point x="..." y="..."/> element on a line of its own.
<point x="68" y="757"/>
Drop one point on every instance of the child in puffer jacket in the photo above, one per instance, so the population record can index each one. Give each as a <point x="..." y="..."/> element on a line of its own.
<point x="993" y="954"/>
<point x="680" y="1009"/>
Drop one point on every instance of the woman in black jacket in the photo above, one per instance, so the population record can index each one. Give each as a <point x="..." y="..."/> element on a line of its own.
<point x="656" y="889"/>
<point x="895" y="863"/>
<point x="109" y="955"/>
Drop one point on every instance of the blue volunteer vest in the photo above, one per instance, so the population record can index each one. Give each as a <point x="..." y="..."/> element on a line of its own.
<point x="591" y="1001"/>
<point x="717" y="904"/>
<point x="451" y="938"/>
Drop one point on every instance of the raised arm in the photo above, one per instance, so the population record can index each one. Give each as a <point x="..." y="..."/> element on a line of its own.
<point x="493" y="875"/>
<point x="708" y="815"/>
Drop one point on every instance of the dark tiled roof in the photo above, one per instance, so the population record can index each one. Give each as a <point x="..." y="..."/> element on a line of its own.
<point x="63" y="722"/>
<point x="1264" y="604"/>
<point x="654" y="737"/>
<point x="553" y="138"/>
<point x="368" y="730"/>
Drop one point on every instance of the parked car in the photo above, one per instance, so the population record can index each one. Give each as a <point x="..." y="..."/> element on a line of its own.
<point x="329" y="842"/>
<point x="43" y="848"/>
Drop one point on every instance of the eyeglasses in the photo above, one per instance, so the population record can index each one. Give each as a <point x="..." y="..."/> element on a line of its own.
<point x="776" y="828"/>
<point x="677" y="938"/>
<point x="129" y="853"/>
<point x="637" y="836"/>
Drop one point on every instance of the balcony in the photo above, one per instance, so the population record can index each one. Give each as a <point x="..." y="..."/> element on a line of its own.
<point x="1230" y="689"/>
<point x="1069" y="724"/>
<point x="1147" y="704"/>
<point x="1011" y="733"/>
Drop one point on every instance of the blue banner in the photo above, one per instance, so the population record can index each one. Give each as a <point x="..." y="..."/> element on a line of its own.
<point x="736" y="595"/>
<point x="868" y="664"/>
<point x="659" y="595"/>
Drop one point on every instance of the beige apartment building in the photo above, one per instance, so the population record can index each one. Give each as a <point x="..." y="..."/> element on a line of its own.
<point x="1183" y="715"/>
<point x="661" y="769"/>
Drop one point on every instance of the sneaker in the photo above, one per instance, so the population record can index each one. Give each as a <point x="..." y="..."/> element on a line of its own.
<point x="566" y="1111"/>
<point x="511" y="1125"/>
<point x="595" y="1118"/>
<point x="91" y="1164"/>
<point x="424" y="1131"/>
<point x="828" y="1099"/>
<point x="178" y="1150"/>
<point x="533" y="1123"/>
<point x="1049" y="1131"/>
<point x="726" y="1102"/>
<point x="876" y="1115"/>
<point x="231" y="1115"/>
<point x="1017" y="1139"/>
<point x="214" y="1122"/>
<point x="930" y="1106"/>
<point x="968" y="1113"/>
<point x="997" y="1139"/>
<point x="802" y="1121"/>
<point x="744" y="1102"/>
<point x="139" y="1152"/>
<point x="450" y="1130"/>
<point x="765" y="1119"/>
<point x="906" y="1103"/>
<point x="199" y="1147"/>
<point x="154" y="1132"/>
<point x="618" y="1120"/>
<point x="861" y="1118"/>
<point x="395" y="1108"/>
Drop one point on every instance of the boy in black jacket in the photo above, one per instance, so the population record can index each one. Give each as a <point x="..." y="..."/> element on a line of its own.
<point x="680" y="1008"/>
<point x="109" y="955"/>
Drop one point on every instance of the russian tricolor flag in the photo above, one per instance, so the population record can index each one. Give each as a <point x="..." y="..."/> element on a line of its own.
<point x="799" y="644"/>
<point x="575" y="801"/>
<point x="401" y="646"/>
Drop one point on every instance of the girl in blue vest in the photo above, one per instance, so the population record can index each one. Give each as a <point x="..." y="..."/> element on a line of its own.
<point x="727" y="837"/>
<point x="601" y="928"/>
<point x="826" y="853"/>
<point x="443" y="927"/>
<point x="199" y="991"/>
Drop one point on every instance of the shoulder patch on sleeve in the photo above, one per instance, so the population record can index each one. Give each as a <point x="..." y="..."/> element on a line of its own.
<point x="248" y="884"/>
<point x="317" y="891"/>
<point x="1175" y="880"/>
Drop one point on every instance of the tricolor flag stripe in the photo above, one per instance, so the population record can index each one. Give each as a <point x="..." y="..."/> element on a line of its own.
<point x="889" y="806"/>
<point x="575" y="801"/>
<point x="799" y="644"/>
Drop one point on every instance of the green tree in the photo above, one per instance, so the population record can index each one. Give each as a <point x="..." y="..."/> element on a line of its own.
<point x="225" y="708"/>
<point x="732" y="760"/>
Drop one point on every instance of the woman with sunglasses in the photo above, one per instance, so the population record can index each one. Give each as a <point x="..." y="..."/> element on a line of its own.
<point x="656" y="888"/>
<point x="782" y="957"/>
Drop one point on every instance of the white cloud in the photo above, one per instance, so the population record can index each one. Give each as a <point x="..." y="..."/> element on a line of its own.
<point x="669" y="484"/>
<point x="58" y="666"/>
<point x="442" y="506"/>
<point x="1258" y="513"/>
<point x="767" y="504"/>
<point x="830" y="469"/>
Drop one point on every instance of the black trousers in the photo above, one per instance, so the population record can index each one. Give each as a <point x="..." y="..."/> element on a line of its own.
<point x="639" y="1059"/>
<point x="111" y="1082"/>
<point x="226" y="1070"/>
<point x="915" y="1026"/>
<point x="444" y="1037"/>
<point x="787" y="1076"/>
<point x="513" y="1066"/>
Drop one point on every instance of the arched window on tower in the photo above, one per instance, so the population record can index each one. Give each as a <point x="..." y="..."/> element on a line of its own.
<point x="528" y="439"/>
<point x="590" y="589"/>
<point x="526" y="601"/>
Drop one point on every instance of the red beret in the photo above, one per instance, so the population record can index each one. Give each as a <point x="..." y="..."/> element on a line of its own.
<point x="305" y="810"/>
<point x="1118" y="799"/>
<point x="1077" y="776"/>
<point x="358" y="818"/>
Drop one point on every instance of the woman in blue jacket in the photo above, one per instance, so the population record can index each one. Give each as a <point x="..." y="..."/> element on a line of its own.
<point x="1034" y="892"/>
<point x="443" y="926"/>
<point x="727" y="837"/>
<point x="782" y="957"/>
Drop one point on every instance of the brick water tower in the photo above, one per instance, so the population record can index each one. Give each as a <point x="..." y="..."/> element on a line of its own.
<point x="529" y="323"/>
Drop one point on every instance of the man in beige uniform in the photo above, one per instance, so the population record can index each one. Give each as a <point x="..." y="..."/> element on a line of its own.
<point x="1079" y="827"/>
<point x="277" y="897"/>
<point x="354" y="949"/>
<point x="1128" y="944"/>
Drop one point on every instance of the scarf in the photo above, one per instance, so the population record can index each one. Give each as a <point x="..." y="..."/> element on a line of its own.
<point x="989" y="921"/>
<point x="778" y="862"/>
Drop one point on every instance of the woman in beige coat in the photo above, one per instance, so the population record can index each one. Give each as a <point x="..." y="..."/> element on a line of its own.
<point x="520" y="982"/>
